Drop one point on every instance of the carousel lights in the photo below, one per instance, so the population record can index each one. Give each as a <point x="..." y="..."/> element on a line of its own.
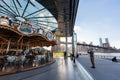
<point x="42" y="15"/>
<point x="4" y="17"/>
<point x="26" y="27"/>
<point x="26" y="23"/>
<point x="4" y="20"/>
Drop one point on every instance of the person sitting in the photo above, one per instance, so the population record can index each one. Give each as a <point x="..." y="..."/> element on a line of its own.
<point x="114" y="59"/>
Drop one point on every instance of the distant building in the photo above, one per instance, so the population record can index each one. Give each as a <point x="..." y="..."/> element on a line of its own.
<point x="84" y="42"/>
<point x="101" y="43"/>
<point x="107" y="42"/>
<point x="106" y="45"/>
<point x="91" y="43"/>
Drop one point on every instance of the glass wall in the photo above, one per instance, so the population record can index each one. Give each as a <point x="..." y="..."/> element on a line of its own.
<point x="74" y="44"/>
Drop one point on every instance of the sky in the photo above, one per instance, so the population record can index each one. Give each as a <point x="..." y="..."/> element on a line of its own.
<point x="98" y="19"/>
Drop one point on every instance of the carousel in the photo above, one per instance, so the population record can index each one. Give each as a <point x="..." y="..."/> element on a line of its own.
<point x="21" y="29"/>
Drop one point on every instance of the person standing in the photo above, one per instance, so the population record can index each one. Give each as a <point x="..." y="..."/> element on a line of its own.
<point x="65" y="55"/>
<point x="91" y="53"/>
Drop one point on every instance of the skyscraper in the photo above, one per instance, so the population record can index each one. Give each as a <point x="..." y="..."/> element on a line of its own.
<point x="101" y="43"/>
<point x="107" y="42"/>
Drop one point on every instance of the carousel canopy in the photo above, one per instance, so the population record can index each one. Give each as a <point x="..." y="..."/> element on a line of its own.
<point x="26" y="22"/>
<point x="30" y="11"/>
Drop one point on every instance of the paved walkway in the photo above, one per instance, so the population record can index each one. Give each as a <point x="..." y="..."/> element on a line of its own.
<point x="105" y="69"/>
<point x="60" y="70"/>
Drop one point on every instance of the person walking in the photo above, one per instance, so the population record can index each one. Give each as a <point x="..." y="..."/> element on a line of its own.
<point x="65" y="54"/>
<point x="91" y="53"/>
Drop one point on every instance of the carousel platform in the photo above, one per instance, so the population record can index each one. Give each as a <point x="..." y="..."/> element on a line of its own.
<point x="60" y="70"/>
<point x="13" y="69"/>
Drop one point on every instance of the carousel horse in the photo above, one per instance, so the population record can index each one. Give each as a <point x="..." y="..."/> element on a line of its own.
<point x="37" y="60"/>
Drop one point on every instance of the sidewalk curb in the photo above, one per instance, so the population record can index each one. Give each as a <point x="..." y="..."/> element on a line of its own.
<point x="84" y="72"/>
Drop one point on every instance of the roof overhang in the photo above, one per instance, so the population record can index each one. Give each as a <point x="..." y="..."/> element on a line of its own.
<point x="65" y="12"/>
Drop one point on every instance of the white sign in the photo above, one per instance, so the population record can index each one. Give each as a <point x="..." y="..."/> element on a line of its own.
<point x="4" y="21"/>
<point x="25" y="29"/>
<point x="49" y="36"/>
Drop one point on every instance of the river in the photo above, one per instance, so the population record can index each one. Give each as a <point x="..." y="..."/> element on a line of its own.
<point x="108" y="55"/>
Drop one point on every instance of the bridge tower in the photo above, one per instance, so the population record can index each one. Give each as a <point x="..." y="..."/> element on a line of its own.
<point x="101" y="43"/>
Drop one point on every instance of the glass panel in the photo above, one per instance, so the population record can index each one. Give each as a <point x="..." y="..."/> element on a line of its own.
<point x="30" y="11"/>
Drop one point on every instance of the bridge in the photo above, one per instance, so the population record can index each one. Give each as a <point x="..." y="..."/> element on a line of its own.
<point x="84" y="47"/>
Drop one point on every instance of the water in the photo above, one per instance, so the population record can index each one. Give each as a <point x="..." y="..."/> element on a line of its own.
<point x="108" y="55"/>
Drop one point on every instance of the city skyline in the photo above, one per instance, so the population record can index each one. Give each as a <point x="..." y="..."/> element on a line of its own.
<point x="98" y="18"/>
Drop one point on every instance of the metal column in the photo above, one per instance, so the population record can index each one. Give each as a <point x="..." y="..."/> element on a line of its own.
<point x="66" y="29"/>
<point x="74" y="44"/>
<point x="8" y="46"/>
